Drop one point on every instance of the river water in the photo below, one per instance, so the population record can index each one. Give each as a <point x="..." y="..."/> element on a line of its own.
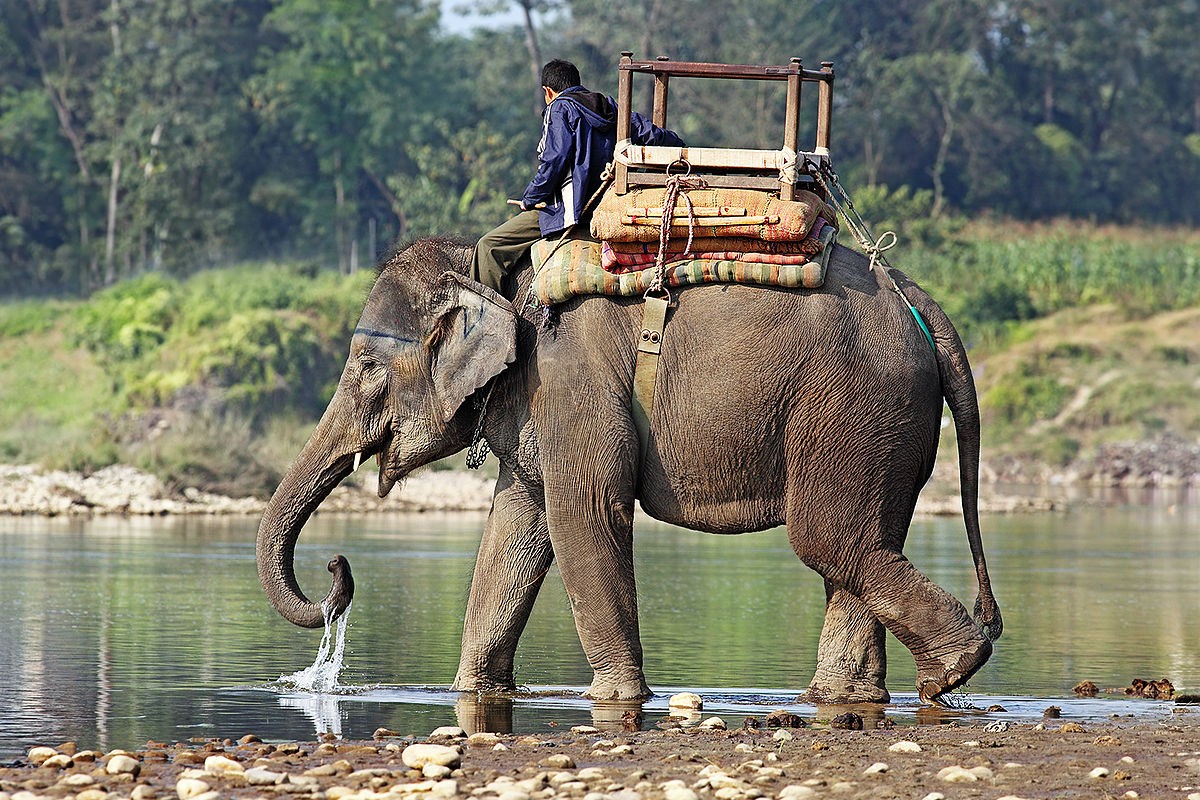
<point x="118" y="631"/>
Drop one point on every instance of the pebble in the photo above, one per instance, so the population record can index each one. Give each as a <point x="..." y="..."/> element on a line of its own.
<point x="957" y="774"/>
<point x="78" y="779"/>
<point x="584" y="729"/>
<point x="678" y="790"/>
<point x="122" y="765"/>
<point x="435" y="772"/>
<point x="686" y="700"/>
<point x="713" y="723"/>
<point x="58" y="761"/>
<point x="934" y="796"/>
<point x="222" y="765"/>
<point x="905" y="747"/>
<point x="38" y="755"/>
<point x="418" y="755"/>
<point x="261" y="776"/>
<point x="92" y="794"/>
<point x="448" y="732"/>
<point x="501" y="748"/>
<point x="559" y="761"/>
<point x="482" y="739"/>
<point x="796" y="792"/>
<point x="878" y="768"/>
<point x="189" y="788"/>
<point x="1099" y="772"/>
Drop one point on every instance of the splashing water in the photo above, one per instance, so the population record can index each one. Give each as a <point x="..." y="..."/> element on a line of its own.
<point x="322" y="676"/>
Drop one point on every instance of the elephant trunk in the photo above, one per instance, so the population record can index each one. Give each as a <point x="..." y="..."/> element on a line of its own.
<point x="316" y="472"/>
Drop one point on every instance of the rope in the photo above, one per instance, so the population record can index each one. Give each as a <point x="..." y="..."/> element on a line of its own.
<point x="874" y="248"/>
<point x="675" y="187"/>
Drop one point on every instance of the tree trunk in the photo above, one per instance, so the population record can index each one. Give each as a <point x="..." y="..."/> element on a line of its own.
<point x="110" y="236"/>
<point x="339" y="222"/>
<point x="535" y="53"/>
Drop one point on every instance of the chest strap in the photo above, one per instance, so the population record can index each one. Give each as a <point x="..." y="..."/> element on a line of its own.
<point x="645" y="369"/>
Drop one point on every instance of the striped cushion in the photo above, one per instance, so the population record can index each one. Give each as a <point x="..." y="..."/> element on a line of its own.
<point x="574" y="269"/>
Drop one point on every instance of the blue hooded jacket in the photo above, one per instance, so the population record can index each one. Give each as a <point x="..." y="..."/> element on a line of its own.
<point x="579" y="133"/>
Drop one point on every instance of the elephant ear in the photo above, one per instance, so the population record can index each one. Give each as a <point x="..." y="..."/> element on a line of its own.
<point x="474" y="338"/>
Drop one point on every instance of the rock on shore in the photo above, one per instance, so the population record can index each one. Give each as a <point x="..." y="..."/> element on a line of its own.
<point x="31" y="490"/>
<point x="126" y="490"/>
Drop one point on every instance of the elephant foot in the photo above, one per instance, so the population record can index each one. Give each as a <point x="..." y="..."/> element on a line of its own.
<point x="937" y="677"/>
<point x="628" y="688"/>
<point x="843" y="692"/>
<point x="483" y="684"/>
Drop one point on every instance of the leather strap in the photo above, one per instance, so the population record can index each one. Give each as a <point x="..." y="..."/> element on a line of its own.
<point x="645" y="369"/>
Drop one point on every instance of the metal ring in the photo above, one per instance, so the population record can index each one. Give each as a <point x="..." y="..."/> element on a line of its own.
<point x="682" y="161"/>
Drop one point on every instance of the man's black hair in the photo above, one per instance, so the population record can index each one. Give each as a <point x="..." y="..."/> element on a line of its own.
<point x="559" y="74"/>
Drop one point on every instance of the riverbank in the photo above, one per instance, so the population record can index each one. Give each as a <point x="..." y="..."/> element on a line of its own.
<point x="822" y="758"/>
<point x="123" y="490"/>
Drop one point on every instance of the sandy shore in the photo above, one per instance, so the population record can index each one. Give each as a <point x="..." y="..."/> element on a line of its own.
<point x="31" y="490"/>
<point x="1054" y="758"/>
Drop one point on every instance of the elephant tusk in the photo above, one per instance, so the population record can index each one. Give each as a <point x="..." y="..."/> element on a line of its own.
<point x="357" y="461"/>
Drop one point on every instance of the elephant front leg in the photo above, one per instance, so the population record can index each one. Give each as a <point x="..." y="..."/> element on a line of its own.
<point x="851" y="655"/>
<point x="593" y="542"/>
<point x="514" y="556"/>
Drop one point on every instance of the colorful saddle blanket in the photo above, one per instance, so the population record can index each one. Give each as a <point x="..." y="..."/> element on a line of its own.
<point x="573" y="268"/>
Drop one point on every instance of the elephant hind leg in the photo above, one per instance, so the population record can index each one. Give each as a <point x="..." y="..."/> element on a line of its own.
<point x="946" y="644"/>
<point x="851" y="654"/>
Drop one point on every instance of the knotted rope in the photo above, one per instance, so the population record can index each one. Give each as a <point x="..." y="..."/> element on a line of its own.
<point x="675" y="187"/>
<point x="874" y="248"/>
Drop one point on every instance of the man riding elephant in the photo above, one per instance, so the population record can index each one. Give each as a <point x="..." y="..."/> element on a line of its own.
<point x="578" y="137"/>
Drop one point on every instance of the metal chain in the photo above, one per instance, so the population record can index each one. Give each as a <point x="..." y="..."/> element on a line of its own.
<point x="477" y="453"/>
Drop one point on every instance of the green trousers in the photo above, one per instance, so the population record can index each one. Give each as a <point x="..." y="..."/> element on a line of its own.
<point x="500" y="249"/>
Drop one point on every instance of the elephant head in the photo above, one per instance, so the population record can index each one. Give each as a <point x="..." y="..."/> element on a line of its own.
<point x="428" y="339"/>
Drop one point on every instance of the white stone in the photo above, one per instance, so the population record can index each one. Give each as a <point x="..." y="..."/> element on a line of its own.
<point x="842" y="786"/>
<point x="878" y="768"/>
<point x="743" y="747"/>
<point x="956" y="775"/>
<point x="934" y="796"/>
<point x="435" y="772"/>
<point x="58" y="761"/>
<point x="223" y="765"/>
<point x="584" y="729"/>
<point x="796" y="792"/>
<point x="482" y="739"/>
<point x="501" y="748"/>
<point x="982" y="773"/>
<point x="38" y="755"/>
<point x="590" y="774"/>
<point x="1131" y="795"/>
<point x="686" y="700"/>
<point x="1099" y="772"/>
<point x="905" y="747"/>
<point x="78" y="779"/>
<point x="189" y="788"/>
<point x="418" y="755"/>
<point x="1126" y="760"/>
<point x="783" y="735"/>
<point x="972" y="743"/>
<point x="448" y="732"/>
<point x="122" y="765"/>
<point x="512" y="794"/>
<point x="714" y="723"/>
<point x="261" y="776"/>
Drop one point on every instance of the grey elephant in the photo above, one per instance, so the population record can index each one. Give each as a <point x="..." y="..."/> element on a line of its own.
<point x="819" y="410"/>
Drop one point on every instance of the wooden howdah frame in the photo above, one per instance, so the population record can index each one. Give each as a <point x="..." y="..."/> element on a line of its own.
<point x="775" y="170"/>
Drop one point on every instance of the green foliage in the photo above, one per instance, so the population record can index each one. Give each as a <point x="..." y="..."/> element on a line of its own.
<point x="1031" y="392"/>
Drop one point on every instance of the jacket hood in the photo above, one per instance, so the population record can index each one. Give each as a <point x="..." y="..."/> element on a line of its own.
<point x="599" y="110"/>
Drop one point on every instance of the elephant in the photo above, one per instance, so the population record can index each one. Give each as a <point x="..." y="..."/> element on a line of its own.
<point x="819" y="410"/>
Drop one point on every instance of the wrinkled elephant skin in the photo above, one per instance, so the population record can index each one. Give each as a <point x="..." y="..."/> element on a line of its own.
<point x="818" y="410"/>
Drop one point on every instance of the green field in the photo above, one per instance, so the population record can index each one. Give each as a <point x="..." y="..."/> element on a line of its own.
<point x="1080" y="337"/>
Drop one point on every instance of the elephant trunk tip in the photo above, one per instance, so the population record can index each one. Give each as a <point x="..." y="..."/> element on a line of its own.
<point x="988" y="616"/>
<point x="342" y="590"/>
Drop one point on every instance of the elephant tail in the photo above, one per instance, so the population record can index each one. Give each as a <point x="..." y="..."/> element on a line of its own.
<point x="958" y="388"/>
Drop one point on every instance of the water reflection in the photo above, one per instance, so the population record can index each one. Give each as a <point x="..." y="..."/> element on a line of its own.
<point x="116" y="631"/>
